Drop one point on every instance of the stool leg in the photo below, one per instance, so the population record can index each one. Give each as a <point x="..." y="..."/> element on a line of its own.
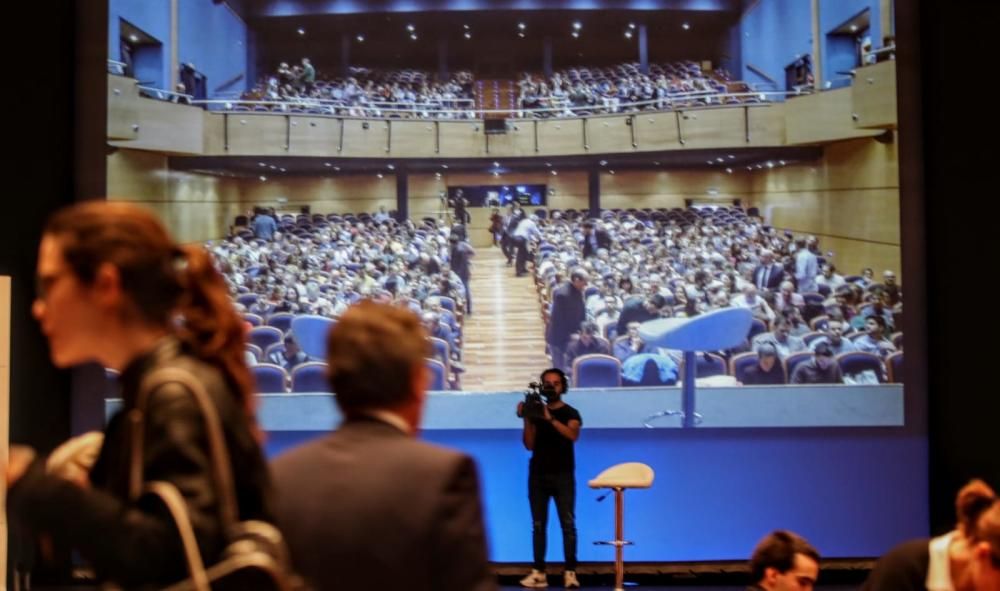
<point x="619" y="539"/>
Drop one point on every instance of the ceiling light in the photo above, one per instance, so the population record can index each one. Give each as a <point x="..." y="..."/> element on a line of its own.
<point x="336" y="168"/>
<point x="577" y="25"/>
<point x="410" y="28"/>
<point x="133" y="38"/>
<point x="273" y="167"/>
<point x="548" y="164"/>
<point x="521" y="26"/>
<point x="466" y="27"/>
<point x="749" y="168"/>
<point x="496" y="173"/>
<point x="496" y="164"/>
<point x="719" y="159"/>
<point x="263" y="164"/>
<point x="628" y="34"/>
<point x="444" y="166"/>
<point x="631" y="25"/>
<point x="576" y="34"/>
<point x="603" y="162"/>
<point x="282" y="170"/>
<point x="854" y="28"/>
<point x="760" y="166"/>
<point x="263" y="178"/>
<point x="413" y="36"/>
<point x="710" y="161"/>
<point x="611" y="172"/>
<point x="521" y="35"/>
<point x="391" y="166"/>
<point x="770" y="164"/>
<point x="731" y="157"/>
<point x="729" y="170"/>
<point x="326" y="164"/>
<point x="468" y="35"/>
<point x="554" y="172"/>
<point x="656" y="163"/>
<point x="686" y="26"/>
<point x="360" y="38"/>
<point x="301" y="31"/>
<point x="380" y="175"/>
<point x="781" y="162"/>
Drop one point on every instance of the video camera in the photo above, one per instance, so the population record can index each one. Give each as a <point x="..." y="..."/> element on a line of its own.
<point x="534" y="406"/>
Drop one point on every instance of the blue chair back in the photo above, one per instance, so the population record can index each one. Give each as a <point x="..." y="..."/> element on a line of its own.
<point x="757" y="326"/>
<point x="258" y="353"/>
<point x="265" y="336"/>
<point x="894" y="365"/>
<point x="310" y="377"/>
<point x="442" y="351"/>
<point x="709" y="364"/>
<point x="858" y="361"/>
<point x="310" y="333"/>
<point x="247" y="299"/>
<point x="253" y="319"/>
<point x="282" y="321"/>
<point x="269" y="378"/>
<point x="448" y="303"/>
<point x="739" y="363"/>
<point x="439" y="373"/>
<point x="597" y="371"/>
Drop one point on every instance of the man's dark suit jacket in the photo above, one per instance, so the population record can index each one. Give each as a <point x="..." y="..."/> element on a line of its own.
<point x="568" y="312"/>
<point x="634" y="310"/>
<point x="775" y="279"/>
<point x="368" y="507"/>
<point x="603" y="241"/>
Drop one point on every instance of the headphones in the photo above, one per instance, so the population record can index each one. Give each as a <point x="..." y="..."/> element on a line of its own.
<point x="560" y="373"/>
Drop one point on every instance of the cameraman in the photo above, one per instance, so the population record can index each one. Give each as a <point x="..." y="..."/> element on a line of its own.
<point x="550" y="435"/>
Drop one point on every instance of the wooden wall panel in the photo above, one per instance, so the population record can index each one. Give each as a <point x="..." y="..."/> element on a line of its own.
<point x="821" y="117"/>
<point x="874" y="95"/>
<point x="256" y="135"/>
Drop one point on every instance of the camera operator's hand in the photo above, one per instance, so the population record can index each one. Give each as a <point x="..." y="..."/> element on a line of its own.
<point x="547" y="415"/>
<point x="520" y="409"/>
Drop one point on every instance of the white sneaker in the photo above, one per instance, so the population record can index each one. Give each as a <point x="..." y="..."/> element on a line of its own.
<point x="536" y="580"/>
<point x="569" y="580"/>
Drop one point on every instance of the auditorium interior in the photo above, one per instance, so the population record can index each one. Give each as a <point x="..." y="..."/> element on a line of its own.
<point x="681" y="154"/>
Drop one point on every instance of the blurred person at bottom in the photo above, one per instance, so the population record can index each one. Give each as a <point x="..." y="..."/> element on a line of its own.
<point x="369" y="506"/>
<point x="114" y="288"/>
<point x="964" y="559"/>
<point x="783" y="561"/>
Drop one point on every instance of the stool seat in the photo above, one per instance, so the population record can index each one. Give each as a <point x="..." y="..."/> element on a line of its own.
<point x="627" y="475"/>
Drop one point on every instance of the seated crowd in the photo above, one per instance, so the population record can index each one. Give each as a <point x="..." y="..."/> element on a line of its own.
<point x="582" y="90"/>
<point x="366" y="92"/>
<point x="278" y="267"/>
<point x="640" y="265"/>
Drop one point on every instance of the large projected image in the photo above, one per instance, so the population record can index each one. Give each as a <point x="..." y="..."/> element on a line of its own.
<point x="701" y="230"/>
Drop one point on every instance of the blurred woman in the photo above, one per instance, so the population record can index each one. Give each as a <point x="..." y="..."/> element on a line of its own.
<point x="114" y="288"/>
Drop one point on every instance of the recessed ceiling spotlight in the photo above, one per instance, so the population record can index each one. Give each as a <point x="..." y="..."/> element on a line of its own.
<point x="631" y="25"/>
<point x="729" y="170"/>
<point x="264" y="164"/>
<point x="554" y="172"/>
<point x="326" y="164"/>
<point x="444" y="166"/>
<point x="521" y="26"/>
<point x="719" y="159"/>
<point x="576" y="34"/>
<point x="603" y="162"/>
<point x="301" y="31"/>
<point x="496" y="164"/>
<point x="770" y="164"/>
<point x="731" y="157"/>
<point x="468" y="35"/>
<point x="611" y="172"/>
<point x="282" y="170"/>
<point x="413" y="36"/>
<point x="391" y="166"/>
<point x="577" y="25"/>
<point x="521" y="35"/>
<point x="686" y="27"/>
<point x="133" y="38"/>
<point x="466" y="27"/>
<point x="548" y="164"/>
<point x="380" y="175"/>
<point x="360" y="38"/>
<point x="410" y="28"/>
<point x="336" y="169"/>
<point x="628" y="34"/>
<point x="781" y="162"/>
<point x="263" y="178"/>
<point x="656" y="162"/>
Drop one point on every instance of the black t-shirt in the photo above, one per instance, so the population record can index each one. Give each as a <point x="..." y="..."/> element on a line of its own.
<point x="554" y="453"/>
<point x="904" y="568"/>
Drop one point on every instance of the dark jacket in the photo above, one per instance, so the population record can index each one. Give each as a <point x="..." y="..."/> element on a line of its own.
<point x="773" y="280"/>
<point x="634" y="310"/>
<point x="369" y="507"/>
<point x="568" y="312"/>
<point x="603" y="241"/>
<point x="136" y="543"/>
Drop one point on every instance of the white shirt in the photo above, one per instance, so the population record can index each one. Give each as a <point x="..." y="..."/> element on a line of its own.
<point x="939" y="565"/>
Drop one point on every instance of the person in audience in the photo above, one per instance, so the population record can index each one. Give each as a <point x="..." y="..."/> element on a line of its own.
<point x="308" y="77"/>
<point x="780" y="338"/>
<point x="891" y="288"/>
<point x="768" y="275"/>
<point x="874" y="339"/>
<point x="264" y="225"/>
<point x="767" y="371"/>
<point x="821" y="369"/>
<point x="630" y="344"/>
<point x="568" y="314"/>
<point x="640" y="310"/>
<point x="797" y="327"/>
<point x="830" y="277"/>
<point x="834" y="337"/>
<point x="112" y="287"/>
<point x="964" y="559"/>
<point x="406" y="513"/>
<point x="525" y="232"/>
<point x="594" y="238"/>
<point x="382" y="215"/>
<point x="784" y="561"/>
<point x="460" y="262"/>
<point x="867" y="278"/>
<point x="757" y="306"/>
<point x="805" y="267"/>
<point x="289" y="356"/>
<point x="787" y="297"/>
<point x="588" y="343"/>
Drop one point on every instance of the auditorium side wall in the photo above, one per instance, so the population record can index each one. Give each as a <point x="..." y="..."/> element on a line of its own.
<point x="849" y="200"/>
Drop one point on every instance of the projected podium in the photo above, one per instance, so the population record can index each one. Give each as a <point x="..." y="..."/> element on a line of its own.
<point x="714" y="331"/>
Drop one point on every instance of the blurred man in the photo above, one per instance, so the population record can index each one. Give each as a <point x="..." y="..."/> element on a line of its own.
<point x="784" y="561"/>
<point x="568" y="312"/>
<point x="821" y="369"/>
<point x="369" y="506"/>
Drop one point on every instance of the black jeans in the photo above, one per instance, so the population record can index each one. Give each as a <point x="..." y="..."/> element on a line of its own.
<point x="521" y="265"/>
<point x="562" y="488"/>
